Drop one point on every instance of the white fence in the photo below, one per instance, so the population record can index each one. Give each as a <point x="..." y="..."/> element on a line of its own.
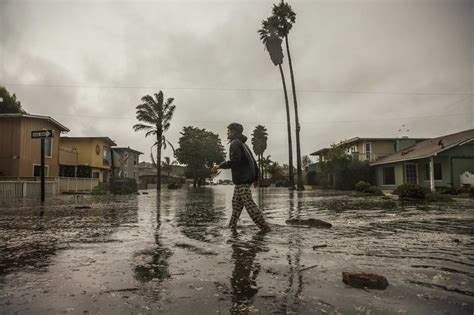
<point x="22" y="188"/>
<point x="76" y="184"/>
<point x="19" y="189"/>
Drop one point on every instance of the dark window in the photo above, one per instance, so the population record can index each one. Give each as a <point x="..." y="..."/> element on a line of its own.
<point x="438" y="171"/>
<point x="410" y="174"/>
<point x="37" y="170"/>
<point x="389" y="175"/>
<point x="48" y="147"/>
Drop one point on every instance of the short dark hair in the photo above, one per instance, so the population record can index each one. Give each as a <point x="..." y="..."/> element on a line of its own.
<point x="236" y="127"/>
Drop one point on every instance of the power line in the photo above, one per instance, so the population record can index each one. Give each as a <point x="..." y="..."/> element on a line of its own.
<point x="269" y="122"/>
<point x="320" y="91"/>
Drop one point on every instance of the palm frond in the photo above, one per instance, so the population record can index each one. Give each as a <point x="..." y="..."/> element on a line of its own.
<point x="138" y="127"/>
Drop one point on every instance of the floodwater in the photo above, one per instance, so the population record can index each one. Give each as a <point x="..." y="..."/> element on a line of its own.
<point x="173" y="254"/>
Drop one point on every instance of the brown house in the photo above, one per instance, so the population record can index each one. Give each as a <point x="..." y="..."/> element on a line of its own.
<point x="19" y="153"/>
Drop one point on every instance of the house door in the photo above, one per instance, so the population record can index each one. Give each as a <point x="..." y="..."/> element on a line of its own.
<point x="411" y="174"/>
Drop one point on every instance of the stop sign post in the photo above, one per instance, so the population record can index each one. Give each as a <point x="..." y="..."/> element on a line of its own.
<point x="42" y="134"/>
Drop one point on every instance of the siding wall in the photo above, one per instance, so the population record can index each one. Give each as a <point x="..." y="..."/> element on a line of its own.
<point x="10" y="130"/>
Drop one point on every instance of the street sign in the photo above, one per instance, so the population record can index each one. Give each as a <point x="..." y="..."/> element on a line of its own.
<point x="41" y="134"/>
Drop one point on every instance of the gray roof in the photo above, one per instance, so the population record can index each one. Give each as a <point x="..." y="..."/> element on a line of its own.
<point x="429" y="147"/>
<point x="127" y="149"/>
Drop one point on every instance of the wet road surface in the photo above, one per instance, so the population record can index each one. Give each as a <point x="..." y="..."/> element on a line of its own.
<point x="173" y="254"/>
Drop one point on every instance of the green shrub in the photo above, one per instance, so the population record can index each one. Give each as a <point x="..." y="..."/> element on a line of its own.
<point x="175" y="185"/>
<point x="410" y="191"/>
<point x="362" y="186"/>
<point x="123" y="186"/>
<point x="99" y="190"/>
<point x="437" y="197"/>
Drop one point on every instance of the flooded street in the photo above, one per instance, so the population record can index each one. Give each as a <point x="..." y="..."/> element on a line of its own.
<point x="173" y="254"/>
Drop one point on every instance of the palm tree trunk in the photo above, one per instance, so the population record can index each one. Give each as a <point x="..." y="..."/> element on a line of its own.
<point x="298" y="127"/>
<point x="288" y="124"/>
<point x="158" y="162"/>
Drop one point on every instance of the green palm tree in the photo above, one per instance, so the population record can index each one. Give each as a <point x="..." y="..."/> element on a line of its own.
<point x="259" y="143"/>
<point x="155" y="115"/>
<point x="286" y="17"/>
<point x="271" y="40"/>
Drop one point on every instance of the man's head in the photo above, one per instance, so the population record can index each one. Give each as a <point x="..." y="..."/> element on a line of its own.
<point x="233" y="130"/>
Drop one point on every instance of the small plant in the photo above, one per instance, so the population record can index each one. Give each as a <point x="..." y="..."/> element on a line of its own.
<point x="437" y="197"/>
<point x="98" y="190"/>
<point x="362" y="186"/>
<point x="175" y="185"/>
<point x="410" y="191"/>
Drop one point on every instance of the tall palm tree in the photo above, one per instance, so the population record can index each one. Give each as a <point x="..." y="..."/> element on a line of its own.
<point x="259" y="143"/>
<point x="286" y="17"/>
<point x="155" y="115"/>
<point x="271" y="40"/>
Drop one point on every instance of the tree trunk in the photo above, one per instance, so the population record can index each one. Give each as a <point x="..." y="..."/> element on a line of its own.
<point x="158" y="162"/>
<point x="297" y="123"/>
<point x="288" y="124"/>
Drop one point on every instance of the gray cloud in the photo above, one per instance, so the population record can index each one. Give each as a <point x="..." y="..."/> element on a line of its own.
<point x="412" y="63"/>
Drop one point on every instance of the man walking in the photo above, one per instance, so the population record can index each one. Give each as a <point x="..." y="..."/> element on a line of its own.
<point x="244" y="173"/>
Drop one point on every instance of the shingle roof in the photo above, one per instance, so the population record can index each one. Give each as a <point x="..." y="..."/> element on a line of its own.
<point x="429" y="147"/>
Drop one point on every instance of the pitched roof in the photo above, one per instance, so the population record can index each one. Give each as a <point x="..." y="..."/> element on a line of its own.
<point x="429" y="147"/>
<point x="54" y="122"/>
<point x="357" y="139"/>
<point x="106" y="139"/>
<point x="127" y="149"/>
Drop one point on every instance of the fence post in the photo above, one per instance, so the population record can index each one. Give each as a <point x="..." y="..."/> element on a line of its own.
<point x="24" y="189"/>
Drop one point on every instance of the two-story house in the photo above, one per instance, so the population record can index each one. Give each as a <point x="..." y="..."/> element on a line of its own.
<point x="126" y="162"/>
<point x="20" y="155"/>
<point x="370" y="149"/>
<point x="94" y="156"/>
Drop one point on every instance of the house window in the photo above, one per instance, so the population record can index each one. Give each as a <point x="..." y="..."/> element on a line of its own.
<point x="411" y="174"/>
<point x="95" y="174"/>
<point x="389" y="175"/>
<point x="368" y="151"/>
<point x="438" y="173"/>
<point x="107" y="156"/>
<point x="48" y="147"/>
<point x="37" y="170"/>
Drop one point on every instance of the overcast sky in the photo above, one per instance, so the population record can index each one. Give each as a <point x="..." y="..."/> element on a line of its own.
<point x="363" y="68"/>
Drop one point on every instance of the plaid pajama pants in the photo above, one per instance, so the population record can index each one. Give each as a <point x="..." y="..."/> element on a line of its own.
<point x="243" y="198"/>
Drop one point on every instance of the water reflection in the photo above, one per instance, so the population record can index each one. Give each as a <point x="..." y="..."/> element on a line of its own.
<point x="31" y="235"/>
<point x="153" y="263"/>
<point x="199" y="218"/>
<point x="295" y="276"/>
<point x="246" y="270"/>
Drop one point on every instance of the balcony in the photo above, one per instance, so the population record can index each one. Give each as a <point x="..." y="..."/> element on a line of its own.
<point x="67" y="156"/>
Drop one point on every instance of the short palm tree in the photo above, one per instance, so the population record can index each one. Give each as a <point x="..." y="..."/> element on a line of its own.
<point x="259" y="144"/>
<point x="285" y="18"/>
<point x="155" y="115"/>
<point x="167" y="167"/>
<point x="271" y="40"/>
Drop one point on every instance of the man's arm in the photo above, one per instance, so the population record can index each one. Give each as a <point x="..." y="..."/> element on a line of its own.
<point x="235" y="156"/>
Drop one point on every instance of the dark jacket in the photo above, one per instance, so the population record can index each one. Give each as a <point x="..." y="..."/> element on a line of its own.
<point x="242" y="163"/>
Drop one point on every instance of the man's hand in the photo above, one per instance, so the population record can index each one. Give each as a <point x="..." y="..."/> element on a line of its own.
<point x="215" y="168"/>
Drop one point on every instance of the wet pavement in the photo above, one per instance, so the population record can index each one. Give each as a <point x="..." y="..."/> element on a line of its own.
<point x="173" y="254"/>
